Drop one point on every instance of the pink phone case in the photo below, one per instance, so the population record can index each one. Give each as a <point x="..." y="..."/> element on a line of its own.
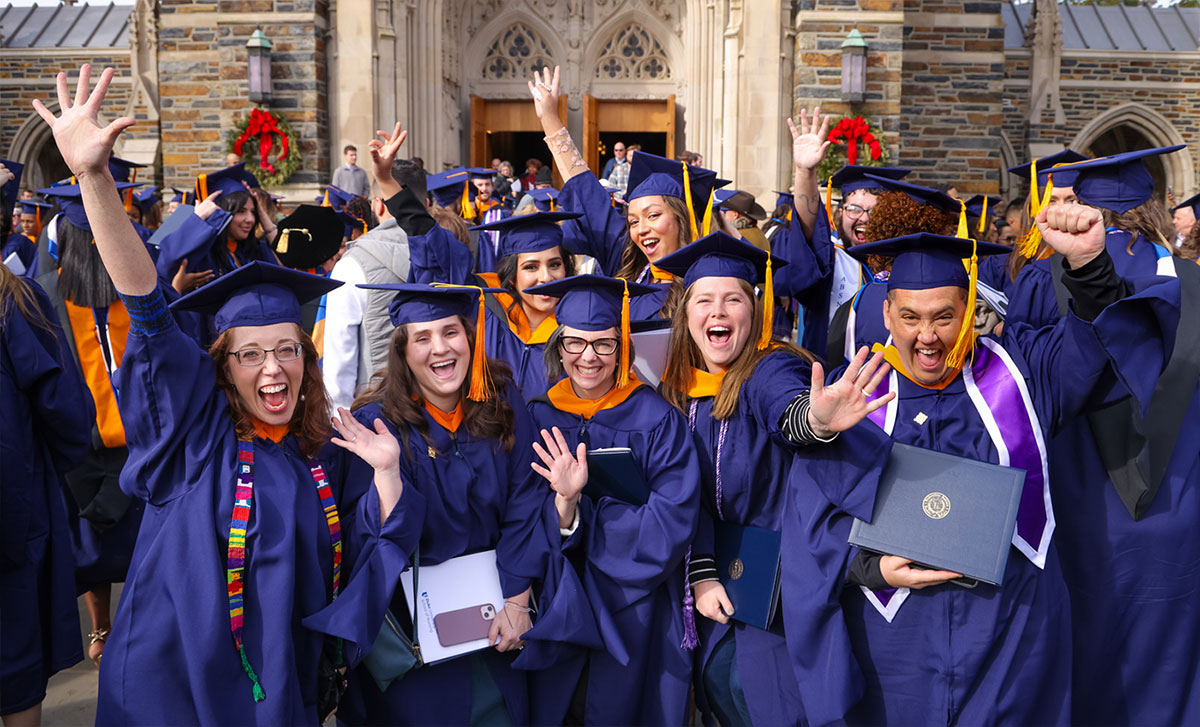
<point x="464" y="624"/>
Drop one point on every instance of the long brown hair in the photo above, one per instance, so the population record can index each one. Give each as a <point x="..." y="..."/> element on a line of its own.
<point x="1150" y="220"/>
<point x="633" y="260"/>
<point x="310" y="420"/>
<point x="15" y="292"/>
<point x="396" y="390"/>
<point x="684" y="355"/>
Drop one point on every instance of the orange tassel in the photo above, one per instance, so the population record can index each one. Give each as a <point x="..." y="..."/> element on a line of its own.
<point x="764" y="339"/>
<point x="465" y="207"/>
<point x="687" y="197"/>
<point x="965" y="343"/>
<point x="325" y="202"/>
<point x="481" y="376"/>
<point x="623" y="376"/>
<point x="828" y="203"/>
<point x="202" y="189"/>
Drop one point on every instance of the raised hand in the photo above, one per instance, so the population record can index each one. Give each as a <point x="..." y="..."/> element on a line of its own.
<point x="1074" y="230"/>
<point x="566" y="474"/>
<point x="378" y="448"/>
<point x="6" y="176"/>
<point x="842" y="404"/>
<point x="544" y="89"/>
<point x="809" y="142"/>
<point x="383" y="154"/>
<point x="85" y="145"/>
<point x="205" y="209"/>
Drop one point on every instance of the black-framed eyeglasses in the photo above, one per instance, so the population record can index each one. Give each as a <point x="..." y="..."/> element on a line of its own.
<point x="856" y="211"/>
<point x="254" y="356"/>
<point x="602" y="346"/>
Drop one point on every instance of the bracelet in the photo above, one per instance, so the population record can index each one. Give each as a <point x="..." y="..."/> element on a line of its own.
<point x="519" y="607"/>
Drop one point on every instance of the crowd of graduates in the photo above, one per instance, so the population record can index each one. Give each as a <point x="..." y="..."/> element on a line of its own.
<point x="257" y="421"/>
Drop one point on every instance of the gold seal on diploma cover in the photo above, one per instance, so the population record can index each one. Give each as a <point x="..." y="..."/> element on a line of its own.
<point x="736" y="569"/>
<point x="936" y="505"/>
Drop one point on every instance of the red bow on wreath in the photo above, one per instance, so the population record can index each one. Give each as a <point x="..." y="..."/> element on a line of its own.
<point x="850" y="132"/>
<point x="263" y="124"/>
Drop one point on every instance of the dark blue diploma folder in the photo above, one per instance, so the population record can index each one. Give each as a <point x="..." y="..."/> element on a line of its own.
<point x="944" y="512"/>
<point x="748" y="566"/>
<point x="613" y="472"/>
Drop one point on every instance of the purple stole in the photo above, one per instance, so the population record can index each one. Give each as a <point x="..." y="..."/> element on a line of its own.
<point x="998" y="391"/>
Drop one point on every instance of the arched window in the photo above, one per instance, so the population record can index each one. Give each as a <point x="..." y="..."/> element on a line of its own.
<point x="633" y="54"/>
<point x="515" y="54"/>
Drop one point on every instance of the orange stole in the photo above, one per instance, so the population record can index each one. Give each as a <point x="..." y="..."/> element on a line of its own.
<point x="704" y="383"/>
<point x="518" y="323"/>
<point x="448" y="421"/>
<point x="892" y="356"/>
<point x="562" y="397"/>
<point x="95" y="370"/>
<point x="273" y="432"/>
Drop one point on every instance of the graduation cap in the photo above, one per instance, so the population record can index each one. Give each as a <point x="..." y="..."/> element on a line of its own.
<point x="784" y="198"/>
<point x="1193" y="202"/>
<point x="720" y="195"/>
<point x="724" y="256"/>
<point x="256" y="294"/>
<point x="1036" y="170"/>
<point x="421" y="303"/>
<point x="923" y="260"/>
<point x="70" y="202"/>
<point x="336" y="197"/>
<point x="917" y="193"/>
<point x="145" y="198"/>
<point x="123" y="170"/>
<point x="860" y="176"/>
<point x="544" y="198"/>
<point x="180" y="195"/>
<point x="1119" y="182"/>
<point x="595" y="303"/>
<point x="227" y="180"/>
<point x="978" y="206"/>
<point x="508" y="203"/>
<point x="481" y="172"/>
<point x="529" y="233"/>
<point x="1066" y="156"/>
<point x="650" y="174"/>
<point x="350" y="224"/>
<point x="12" y="188"/>
<point x="35" y="208"/>
<point x="452" y="189"/>
<point x="308" y="237"/>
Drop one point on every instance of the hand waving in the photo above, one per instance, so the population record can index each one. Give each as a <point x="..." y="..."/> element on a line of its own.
<point x="383" y="153"/>
<point x="84" y="145"/>
<point x="809" y="142"/>
<point x="566" y="474"/>
<point x="842" y="404"/>
<point x="544" y="89"/>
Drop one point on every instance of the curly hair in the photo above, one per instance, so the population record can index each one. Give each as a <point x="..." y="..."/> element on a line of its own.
<point x="310" y="419"/>
<point x="399" y="395"/>
<point x="896" y="214"/>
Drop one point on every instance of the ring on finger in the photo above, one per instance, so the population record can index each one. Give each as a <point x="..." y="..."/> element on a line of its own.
<point x="865" y="392"/>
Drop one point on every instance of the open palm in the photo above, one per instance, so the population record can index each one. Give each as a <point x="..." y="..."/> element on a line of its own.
<point x="809" y="142"/>
<point x="844" y="403"/>
<point x="85" y="145"/>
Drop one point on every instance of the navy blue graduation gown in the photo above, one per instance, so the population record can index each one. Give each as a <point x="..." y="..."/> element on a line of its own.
<point x="171" y="658"/>
<point x="194" y="240"/>
<point x="988" y="655"/>
<point x="488" y="257"/>
<point x="602" y="233"/>
<point x="632" y="561"/>
<point x="1135" y="620"/>
<point x="993" y="271"/>
<point x="758" y="466"/>
<point x="25" y="249"/>
<point x="46" y="415"/>
<point x="477" y="496"/>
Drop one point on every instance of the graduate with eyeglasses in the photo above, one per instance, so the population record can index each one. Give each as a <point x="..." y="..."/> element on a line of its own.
<point x="247" y="529"/>
<point x="631" y="556"/>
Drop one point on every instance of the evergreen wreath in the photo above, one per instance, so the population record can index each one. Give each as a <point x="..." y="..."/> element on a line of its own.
<point x="247" y="138"/>
<point x="855" y="140"/>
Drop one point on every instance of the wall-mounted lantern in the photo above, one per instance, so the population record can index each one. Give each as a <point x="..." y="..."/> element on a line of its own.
<point x="259" y="60"/>
<point x="854" y="67"/>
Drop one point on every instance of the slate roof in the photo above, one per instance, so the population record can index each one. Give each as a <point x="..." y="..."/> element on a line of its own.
<point x="65" y="26"/>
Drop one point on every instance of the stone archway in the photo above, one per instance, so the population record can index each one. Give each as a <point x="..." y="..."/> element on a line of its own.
<point x="1178" y="171"/>
<point x="33" y="146"/>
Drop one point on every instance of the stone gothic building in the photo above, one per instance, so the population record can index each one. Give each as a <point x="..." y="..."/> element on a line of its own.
<point x="961" y="89"/>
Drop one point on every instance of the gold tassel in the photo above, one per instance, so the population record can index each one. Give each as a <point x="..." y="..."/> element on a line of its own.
<point x="623" y="376"/>
<point x="1031" y="240"/>
<point x="983" y="216"/>
<point x="708" y="214"/>
<point x="687" y="197"/>
<point x="465" y="206"/>
<point x="201" y="189"/>
<point x="481" y="377"/>
<point x="965" y="343"/>
<point x="828" y="203"/>
<point x="963" y="230"/>
<point x="764" y="339"/>
<point x="325" y="201"/>
<point x="282" y="248"/>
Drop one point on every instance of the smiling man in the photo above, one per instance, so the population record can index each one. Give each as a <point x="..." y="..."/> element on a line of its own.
<point x="994" y="654"/>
